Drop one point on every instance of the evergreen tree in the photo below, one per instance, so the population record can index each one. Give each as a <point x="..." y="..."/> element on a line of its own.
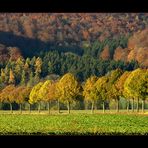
<point x="11" y="77"/>
<point x="23" y="78"/>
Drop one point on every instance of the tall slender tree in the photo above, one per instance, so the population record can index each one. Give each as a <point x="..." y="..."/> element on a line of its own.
<point x="89" y="92"/>
<point x="34" y="95"/>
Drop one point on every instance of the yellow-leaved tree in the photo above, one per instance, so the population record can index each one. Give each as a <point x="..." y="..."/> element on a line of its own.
<point x="47" y="92"/>
<point x="101" y="87"/>
<point x="67" y="89"/>
<point x="136" y="85"/>
<point x="11" y="77"/>
<point x="34" y="95"/>
<point x="119" y="85"/>
<point x="90" y="93"/>
<point x="112" y="92"/>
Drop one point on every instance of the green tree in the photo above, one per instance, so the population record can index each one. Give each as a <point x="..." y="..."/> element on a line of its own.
<point x="31" y="80"/>
<point x="23" y="78"/>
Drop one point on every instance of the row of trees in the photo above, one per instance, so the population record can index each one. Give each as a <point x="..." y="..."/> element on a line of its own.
<point x="114" y="85"/>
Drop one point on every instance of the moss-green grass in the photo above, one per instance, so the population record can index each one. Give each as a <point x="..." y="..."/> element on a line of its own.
<point x="73" y="124"/>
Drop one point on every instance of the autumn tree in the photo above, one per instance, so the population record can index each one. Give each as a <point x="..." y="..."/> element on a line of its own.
<point x="7" y="73"/>
<point x="25" y="94"/>
<point x="11" y="77"/>
<point x="136" y="86"/>
<point x="105" y="54"/>
<point x="3" y="75"/>
<point x="130" y="87"/>
<point x="68" y="89"/>
<point x="20" y="95"/>
<point x="38" y="68"/>
<point x="34" y="95"/>
<point x="18" y="69"/>
<point x="89" y="92"/>
<point x="119" y="85"/>
<point x="47" y="92"/>
<point x="6" y="95"/>
<point x="101" y="87"/>
<point x="111" y="89"/>
<point x="141" y="87"/>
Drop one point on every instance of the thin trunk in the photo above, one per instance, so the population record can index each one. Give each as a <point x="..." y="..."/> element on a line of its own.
<point x="58" y="106"/>
<point x="92" y="107"/>
<point x="143" y="105"/>
<point x="29" y="108"/>
<point x="117" y="105"/>
<point x="21" y="108"/>
<point x="133" y="105"/>
<point x="49" y="106"/>
<point x="127" y="105"/>
<point x="11" y="110"/>
<point x="103" y="107"/>
<point x="68" y="107"/>
<point x="138" y="105"/>
<point x="39" y="107"/>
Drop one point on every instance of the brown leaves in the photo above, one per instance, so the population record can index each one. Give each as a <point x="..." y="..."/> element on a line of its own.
<point x="105" y="54"/>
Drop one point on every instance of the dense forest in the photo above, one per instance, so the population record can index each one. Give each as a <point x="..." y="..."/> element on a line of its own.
<point x="84" y="44"/>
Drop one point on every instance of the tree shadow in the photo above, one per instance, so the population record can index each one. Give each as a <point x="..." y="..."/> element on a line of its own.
<point x="32" y="46"/>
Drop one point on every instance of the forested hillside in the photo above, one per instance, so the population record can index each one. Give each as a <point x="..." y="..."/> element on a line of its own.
<point x="84" y="44"/>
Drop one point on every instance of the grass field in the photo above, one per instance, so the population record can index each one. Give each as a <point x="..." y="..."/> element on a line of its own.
<point x="76" y="123"/>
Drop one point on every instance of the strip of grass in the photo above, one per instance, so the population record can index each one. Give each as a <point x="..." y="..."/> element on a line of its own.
<point x="73" y="124"/>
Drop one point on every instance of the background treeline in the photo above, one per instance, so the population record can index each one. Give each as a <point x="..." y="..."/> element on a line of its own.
<point x="54" y="64"/>
<point x="68" y="92"/>
<point x="107" y="36"/>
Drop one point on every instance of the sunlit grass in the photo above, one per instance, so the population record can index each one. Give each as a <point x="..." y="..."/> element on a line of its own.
<point x="77" y="123"/>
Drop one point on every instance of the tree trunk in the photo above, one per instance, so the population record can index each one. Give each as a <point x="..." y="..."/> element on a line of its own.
<point x="58" y="106"/>
<point x="29" y="108"/>
<point x="127" y="105"/>
<point x="68" y="107"/>
<point x="21" y="108"/>
<point x="133" y="105"/>
<point x="103" y="107"/>
<point x="138" y="105"/>
<point x="143" y="105"/>
<point x="39" y="108"/>
<point x="92" y="107"/>
<point x="49" y="106"/>
<point x="117" y="105"/>
<point x="11" y="110"/>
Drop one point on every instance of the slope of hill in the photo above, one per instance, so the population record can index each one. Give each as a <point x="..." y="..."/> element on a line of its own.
<point x="35" y="32"/>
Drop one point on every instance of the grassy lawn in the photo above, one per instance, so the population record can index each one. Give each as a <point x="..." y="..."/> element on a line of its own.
<point x="76" y="123"/>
